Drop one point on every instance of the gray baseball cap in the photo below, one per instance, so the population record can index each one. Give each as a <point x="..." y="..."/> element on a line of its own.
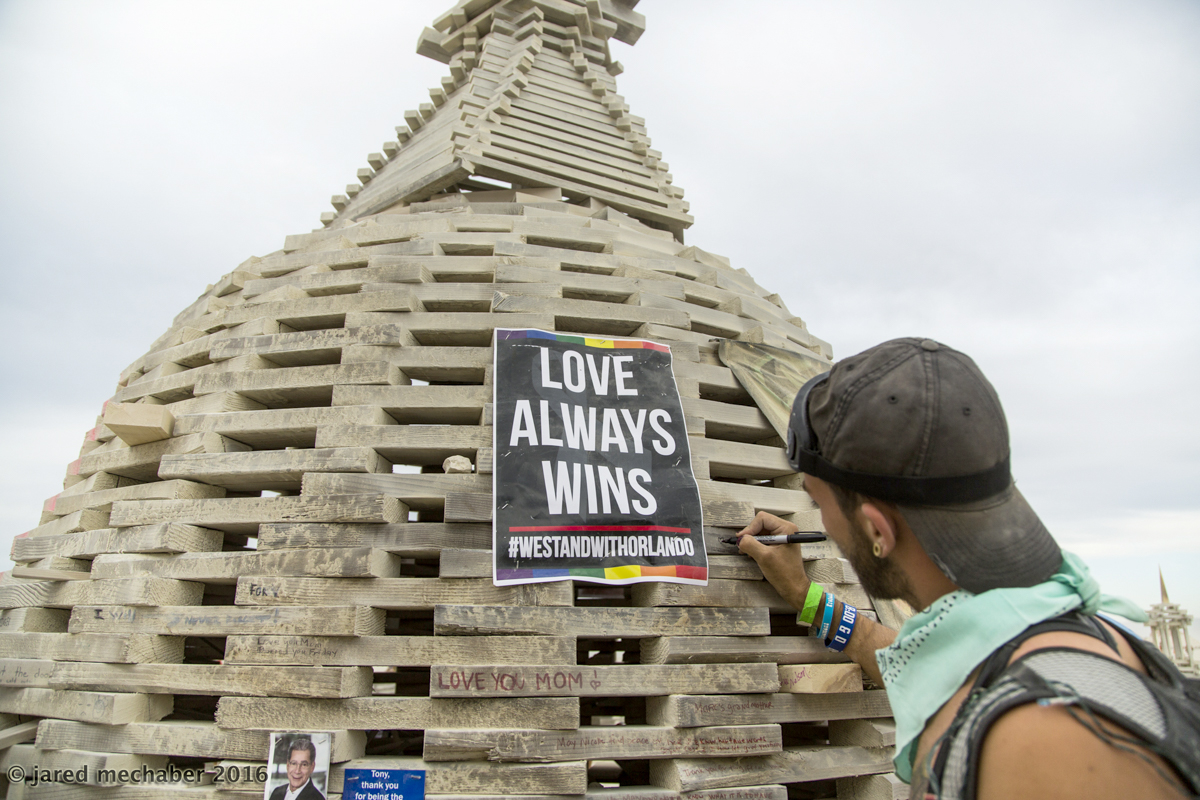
<point x="915" y="423"/>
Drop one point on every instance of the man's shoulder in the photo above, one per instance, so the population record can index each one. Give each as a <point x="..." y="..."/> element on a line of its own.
<point x="1047" y="751"/>
<point x="311" y="792"/>
<point x="279" y="792"/>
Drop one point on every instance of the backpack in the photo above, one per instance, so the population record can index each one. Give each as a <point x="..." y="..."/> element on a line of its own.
<point x="1161" y="710"/>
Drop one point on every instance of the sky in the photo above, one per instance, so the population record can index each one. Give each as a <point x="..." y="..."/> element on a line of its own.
<point x="1018" y="180"/>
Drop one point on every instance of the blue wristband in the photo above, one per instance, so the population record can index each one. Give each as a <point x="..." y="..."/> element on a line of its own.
<point x="827" y="617"/>
<point x="845" y="628"/>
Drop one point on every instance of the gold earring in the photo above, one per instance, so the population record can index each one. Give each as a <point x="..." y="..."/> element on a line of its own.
<point x="877" y="550"/>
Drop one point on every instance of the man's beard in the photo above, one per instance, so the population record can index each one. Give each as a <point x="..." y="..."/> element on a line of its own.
<point x="880" y="578"/>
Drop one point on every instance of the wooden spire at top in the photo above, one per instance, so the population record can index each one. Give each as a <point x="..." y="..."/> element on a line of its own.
<point x="531" y="102"/>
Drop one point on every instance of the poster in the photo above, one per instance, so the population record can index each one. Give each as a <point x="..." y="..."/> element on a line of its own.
<point x="298" y="763"/>
<point x="383" y="784"/>
<point x="592" y="477"/>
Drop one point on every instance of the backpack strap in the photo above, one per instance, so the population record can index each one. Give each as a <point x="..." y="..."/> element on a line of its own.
<point x="1163" y="714"/>
<point x="1071" y="622"/>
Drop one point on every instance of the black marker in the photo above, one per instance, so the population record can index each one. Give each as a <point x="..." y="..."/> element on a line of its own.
<point x="780" y="538"/>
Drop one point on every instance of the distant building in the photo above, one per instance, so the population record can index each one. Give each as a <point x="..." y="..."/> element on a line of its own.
<point x="1169" y="624"/>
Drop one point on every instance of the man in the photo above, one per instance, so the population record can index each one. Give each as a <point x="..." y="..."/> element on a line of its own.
<point x="905" y="450"/>
<point x="302" y="757"/>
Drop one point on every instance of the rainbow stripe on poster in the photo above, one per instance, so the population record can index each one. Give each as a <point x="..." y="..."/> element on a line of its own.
<point x="627" y="573"/>
<point x="632" y="573"/>
<point x="586" y="341"/>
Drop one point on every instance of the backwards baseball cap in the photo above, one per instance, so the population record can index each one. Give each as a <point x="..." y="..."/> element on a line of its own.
<point x="915" y="423"/>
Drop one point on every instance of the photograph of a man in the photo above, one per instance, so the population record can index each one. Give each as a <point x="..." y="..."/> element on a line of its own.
<point x="296" y="756"/>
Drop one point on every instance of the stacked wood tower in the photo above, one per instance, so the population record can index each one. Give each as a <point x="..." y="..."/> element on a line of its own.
<point x="282" y="519"/>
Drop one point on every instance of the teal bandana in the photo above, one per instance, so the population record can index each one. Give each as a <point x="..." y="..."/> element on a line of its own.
<point x="938" y="648"/>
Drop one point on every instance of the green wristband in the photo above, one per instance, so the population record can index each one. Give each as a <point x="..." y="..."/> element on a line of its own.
<point x="811" y="602"/>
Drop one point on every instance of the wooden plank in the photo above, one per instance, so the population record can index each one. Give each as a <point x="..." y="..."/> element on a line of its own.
<point x="298" y="386"/>
<point x="178" y="738"/>
<point x="665" y="211"/>
<point x="784" y="502"/>
<point x="25" y="672"/>
<point x="33" y="620"/>
<point x="160" y="538"/>
<point x="393" y="713"/>
<point x="443" y="405"/>
<point x="54" y="568"/>
<point x="132" y="592"/>
<point x="608" y="742"/>
<point x="413" y="594"/>
<point x="863" y="732"/>
<point x="23" y="732"/>
<point x="690" y="711"/>
<point x="339" y="562"/>
<point x="244" y="514"/>
<point x="459" y="364"/>
<point x="322" y="312"/>
<point x="274" y="470"/>
<point x="332" y="257"/>
<point x="422" y="539"/>
<point x="118" y="649"/>
<point x="138" y="423"/>
<point x="451" y="328"/>
<point x="820" y="678"/>
<point x="737" y="650"/>
<point x="307" y="348"/>
<point x="872" y="787"/>
<point x="625" y="680"/>
<point x="107" y="708"/>
<point x="729" y="421"/>
<point x="738" y="459"/>
<point x="419" y="445"/>
<point x="83" y="520"/>
<point x="159" y="490"/>
<point x="475" y="297"/>
<point x="419" y="492"/>
<point x="794" y="764"/>
<point x="141" y="461"/>
<point x="733" y="594"/>
<point x="277" y="428"/>
<point x="398" y="651"/>
<point x="465" y="777"/>
<point x="599" y="622"/>
<point x="590" y="316"/>
<point x="219" y="621"/>
<point x="216" y="679"/>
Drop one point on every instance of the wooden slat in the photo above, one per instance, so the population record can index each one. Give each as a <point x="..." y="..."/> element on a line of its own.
<point x="244" y="514"/>
<point x="794" y="764"/>
<point x="229" y="620"/>
<point x="107" y="708"/>
<point x="689" y="711"/>
<point x="398" y="651"/>
<point x="599" y="622"/>
<point x="610" y="742"/>
<point x="389" y="713"/>
<point x="629" y="680"/>
<point x="215" y="679"/>
<point x="340" y="562"/>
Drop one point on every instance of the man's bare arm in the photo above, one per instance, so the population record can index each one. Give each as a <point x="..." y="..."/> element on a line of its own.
<point x="783" y="567"/>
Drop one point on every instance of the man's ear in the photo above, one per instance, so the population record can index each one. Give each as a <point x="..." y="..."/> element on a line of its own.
<point x="882" y="528"/>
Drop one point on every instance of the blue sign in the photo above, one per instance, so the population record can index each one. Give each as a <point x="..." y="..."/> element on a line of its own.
<point x="384" y="784"/>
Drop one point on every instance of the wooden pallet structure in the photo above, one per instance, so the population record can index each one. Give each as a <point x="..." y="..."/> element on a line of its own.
<point x="281" y="520"/>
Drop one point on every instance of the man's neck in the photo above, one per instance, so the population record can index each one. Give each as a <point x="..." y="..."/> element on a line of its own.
<point x="926" y="581"/>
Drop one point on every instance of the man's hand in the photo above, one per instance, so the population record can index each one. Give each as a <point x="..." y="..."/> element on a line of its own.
<point x="782" y="565"/>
